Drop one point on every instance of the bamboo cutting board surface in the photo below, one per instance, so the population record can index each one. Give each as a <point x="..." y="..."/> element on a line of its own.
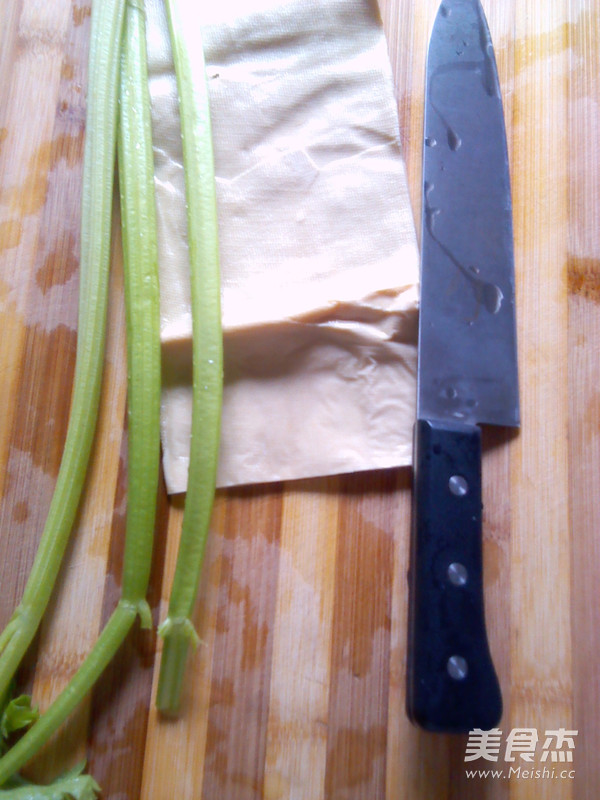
<point x="298" y="688"/>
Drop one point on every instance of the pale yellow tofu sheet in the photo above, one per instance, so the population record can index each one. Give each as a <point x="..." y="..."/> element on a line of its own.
<point x="318" y="252"/>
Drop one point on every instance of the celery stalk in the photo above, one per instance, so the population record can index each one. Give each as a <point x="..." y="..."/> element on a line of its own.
<point x="177" y="629"/>
<point x="143" y="351"/>
<point x="107" y="18"/>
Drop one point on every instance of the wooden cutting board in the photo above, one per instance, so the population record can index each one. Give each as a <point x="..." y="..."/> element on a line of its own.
<point x="298" y="688"/>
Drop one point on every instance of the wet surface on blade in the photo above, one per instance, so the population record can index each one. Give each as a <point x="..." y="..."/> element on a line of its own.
<point x="467" y="340"/>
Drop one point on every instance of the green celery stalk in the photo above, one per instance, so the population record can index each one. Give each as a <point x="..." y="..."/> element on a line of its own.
<point x="177" y="630"/>
<point x="73" y="785"/>
<point x="136" y="179"/>
<point x="107" y="19"/>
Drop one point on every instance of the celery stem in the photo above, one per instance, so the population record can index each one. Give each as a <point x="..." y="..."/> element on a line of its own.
<point x="143" y="368"/>
<point x="98" y="169"/>
<point x="207" y="347"/>
<point x="109" y="641"/>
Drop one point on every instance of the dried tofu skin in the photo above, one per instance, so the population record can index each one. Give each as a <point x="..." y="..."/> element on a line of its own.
<point x="318" y="250"/>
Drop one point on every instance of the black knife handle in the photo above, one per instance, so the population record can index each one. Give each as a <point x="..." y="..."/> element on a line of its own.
<point x="451" y="682"/>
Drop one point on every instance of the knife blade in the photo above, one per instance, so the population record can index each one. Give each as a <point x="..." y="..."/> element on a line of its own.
<point x="467" y="371"/>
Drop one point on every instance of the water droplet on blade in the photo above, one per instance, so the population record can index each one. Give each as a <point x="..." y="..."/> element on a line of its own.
<point x="492" y="297"/>
<point x="454" y="141"/>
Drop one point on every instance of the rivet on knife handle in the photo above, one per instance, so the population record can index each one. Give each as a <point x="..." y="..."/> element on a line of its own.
<point x="452" y="685"/>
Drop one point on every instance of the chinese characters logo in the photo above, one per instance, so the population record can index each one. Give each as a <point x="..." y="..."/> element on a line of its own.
<point x="522" y="745"/>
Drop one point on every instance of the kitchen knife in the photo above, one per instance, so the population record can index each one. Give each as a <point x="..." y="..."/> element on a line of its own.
<point x="467" y="372"/>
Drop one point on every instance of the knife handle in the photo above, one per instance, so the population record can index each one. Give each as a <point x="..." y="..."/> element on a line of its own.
<point x="452" y="686"/>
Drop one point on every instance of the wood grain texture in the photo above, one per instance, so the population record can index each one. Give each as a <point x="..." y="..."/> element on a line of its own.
<point x="297" y="690"/>
<point x="583" y="280"/>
